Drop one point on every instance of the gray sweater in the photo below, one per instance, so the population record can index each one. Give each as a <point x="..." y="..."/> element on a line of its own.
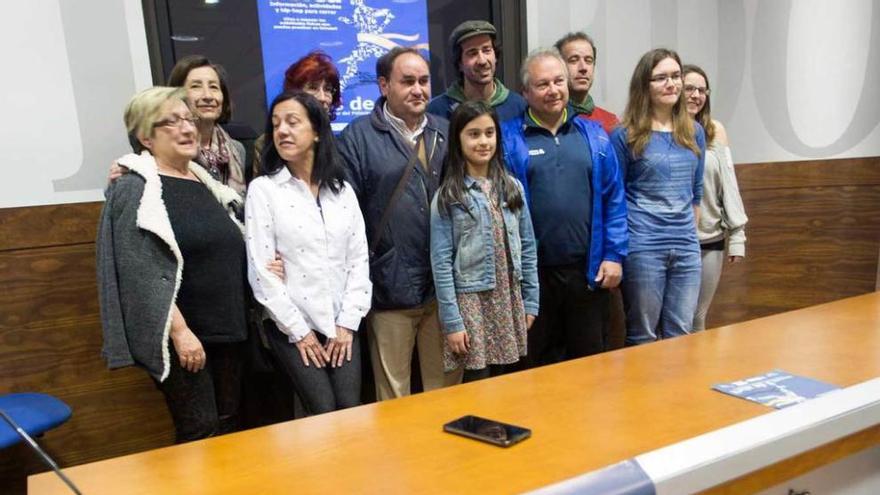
<point x="140" y="265"/>
<point x="721" y="210"/>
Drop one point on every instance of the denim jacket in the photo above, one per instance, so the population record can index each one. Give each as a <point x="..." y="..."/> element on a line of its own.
<point x="463" y="253"/>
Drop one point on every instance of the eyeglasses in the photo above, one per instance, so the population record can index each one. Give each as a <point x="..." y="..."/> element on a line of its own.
<point x="691" y="89"/>
<point x="313" y="88"/>
<point x="177" y="121"/>
<point x="675" y="77"/>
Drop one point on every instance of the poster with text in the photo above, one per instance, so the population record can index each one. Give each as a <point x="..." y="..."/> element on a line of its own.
<point x="354" y="33"/>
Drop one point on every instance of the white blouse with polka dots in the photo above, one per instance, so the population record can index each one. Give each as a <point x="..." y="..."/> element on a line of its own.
<point x="324" y="248"/>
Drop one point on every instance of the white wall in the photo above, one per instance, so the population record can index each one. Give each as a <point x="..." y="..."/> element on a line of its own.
<point x="791" y="80"/>
<point x="69" y="68"/>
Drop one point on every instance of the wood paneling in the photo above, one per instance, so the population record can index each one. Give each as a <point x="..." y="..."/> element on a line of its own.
<point x="47" y="285"/>
<point x="813" y="237"/>
<point x="50" y="341"/>
<point x="51" y="225"/>
<point x="808" y="173"/>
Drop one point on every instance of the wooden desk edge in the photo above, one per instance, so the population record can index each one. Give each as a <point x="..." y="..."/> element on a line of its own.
<point x="803" y="463"/>
<point x="763" y="477"/>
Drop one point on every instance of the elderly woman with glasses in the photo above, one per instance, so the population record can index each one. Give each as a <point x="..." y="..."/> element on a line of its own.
<point x="207" y="94"/>
<point x="172" y="269"/>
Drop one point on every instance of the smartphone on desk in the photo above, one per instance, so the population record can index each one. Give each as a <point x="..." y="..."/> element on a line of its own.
<point x="487" y="430"/>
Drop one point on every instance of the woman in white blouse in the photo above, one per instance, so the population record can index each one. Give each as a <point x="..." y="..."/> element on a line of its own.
<point x="722" y="217"/>
<point x="302" y="209"/>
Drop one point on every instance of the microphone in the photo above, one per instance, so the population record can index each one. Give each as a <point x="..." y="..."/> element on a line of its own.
<point x="42" y="454"/>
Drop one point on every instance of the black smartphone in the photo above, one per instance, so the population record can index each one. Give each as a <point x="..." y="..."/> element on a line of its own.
<point x="487" y="430"/>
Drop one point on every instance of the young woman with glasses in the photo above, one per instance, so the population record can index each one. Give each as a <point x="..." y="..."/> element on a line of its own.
<point x="722" y="216"/>
<point x="661" y="151"/>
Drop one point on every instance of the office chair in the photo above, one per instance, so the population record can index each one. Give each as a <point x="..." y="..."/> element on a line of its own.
<point x="26" y="414"/>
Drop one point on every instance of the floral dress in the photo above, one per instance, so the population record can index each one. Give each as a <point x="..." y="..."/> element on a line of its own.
<point x="494" y="319"/>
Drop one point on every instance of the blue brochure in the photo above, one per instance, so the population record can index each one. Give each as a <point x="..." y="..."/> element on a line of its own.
<point x="776" y="388"/>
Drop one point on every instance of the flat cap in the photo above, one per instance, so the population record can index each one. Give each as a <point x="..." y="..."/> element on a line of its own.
<point x="469" y="29"/>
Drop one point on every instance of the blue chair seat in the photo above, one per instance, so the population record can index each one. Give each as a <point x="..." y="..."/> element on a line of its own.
<point x="35" y="413"/>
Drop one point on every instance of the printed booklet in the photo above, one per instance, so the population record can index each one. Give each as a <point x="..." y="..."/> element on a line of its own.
<point x="776" y="388"/>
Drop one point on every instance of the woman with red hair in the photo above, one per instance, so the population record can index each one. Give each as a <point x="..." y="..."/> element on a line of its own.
<point x="316" y="75"/>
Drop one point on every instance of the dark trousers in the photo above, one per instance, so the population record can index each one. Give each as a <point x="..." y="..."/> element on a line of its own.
<point x="205" y="403"/>
<point x="573" y="321"/>
<point x="488" y="372"/>
<point x="321" y="389"/>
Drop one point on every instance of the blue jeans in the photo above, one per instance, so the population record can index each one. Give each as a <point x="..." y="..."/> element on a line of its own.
<point x="660" y="293"/>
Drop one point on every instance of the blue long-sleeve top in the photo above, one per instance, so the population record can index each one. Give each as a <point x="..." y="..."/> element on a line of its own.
<point x="662" y="186"/>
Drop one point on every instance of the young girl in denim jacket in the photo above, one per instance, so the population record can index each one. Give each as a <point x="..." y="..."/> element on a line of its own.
<point x="482" y="250"/>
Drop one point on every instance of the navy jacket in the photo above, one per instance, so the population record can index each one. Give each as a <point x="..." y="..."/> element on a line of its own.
<point x="375" y="156"/>
<point x="608" y="236"/>
<point x="507" y="104"/>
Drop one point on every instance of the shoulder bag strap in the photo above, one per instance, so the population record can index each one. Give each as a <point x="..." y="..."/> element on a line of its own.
<point x="398" y="190"/>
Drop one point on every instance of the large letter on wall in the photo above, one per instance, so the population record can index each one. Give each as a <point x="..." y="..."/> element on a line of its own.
<point x="774" y="78"/>
<point x="70" y="69"/>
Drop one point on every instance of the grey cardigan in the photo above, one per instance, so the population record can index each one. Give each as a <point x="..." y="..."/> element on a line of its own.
<point x="140" y="265"/>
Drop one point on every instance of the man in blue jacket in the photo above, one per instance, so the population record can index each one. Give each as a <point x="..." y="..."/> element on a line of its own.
<point x="475" y="54"/>
<point x="578" y="208"/>
<point x="395" y="158"/>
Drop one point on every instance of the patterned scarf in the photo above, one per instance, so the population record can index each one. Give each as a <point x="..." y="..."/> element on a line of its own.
<point x="215" y="158"/>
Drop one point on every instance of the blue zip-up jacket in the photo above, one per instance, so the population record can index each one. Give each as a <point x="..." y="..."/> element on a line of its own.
<point x="608" y="232"/>
<point x="375" y="155"/>
<point x="463" y="253"/>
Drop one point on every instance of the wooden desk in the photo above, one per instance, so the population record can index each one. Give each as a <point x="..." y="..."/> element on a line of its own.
<point x="584" y="414"/>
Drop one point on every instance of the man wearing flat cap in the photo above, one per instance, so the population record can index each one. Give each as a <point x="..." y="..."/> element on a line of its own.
<point x="475" y="51"/>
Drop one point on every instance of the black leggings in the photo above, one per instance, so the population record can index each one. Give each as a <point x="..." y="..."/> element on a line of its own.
<point x="205" y="403"/>
<point x="321" y="389"/>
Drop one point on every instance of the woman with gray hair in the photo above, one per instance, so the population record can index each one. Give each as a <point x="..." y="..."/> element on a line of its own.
<point x="183" y="326"/>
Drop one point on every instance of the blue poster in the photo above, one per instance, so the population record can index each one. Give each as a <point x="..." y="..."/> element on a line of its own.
<point x="355" y="33"/>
